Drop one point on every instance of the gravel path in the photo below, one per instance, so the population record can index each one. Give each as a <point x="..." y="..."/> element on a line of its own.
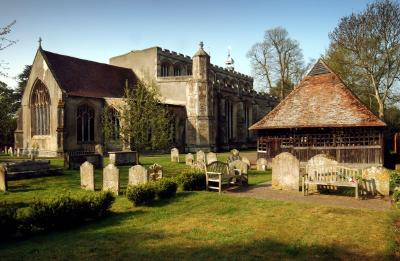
<point x="265" y="191"/>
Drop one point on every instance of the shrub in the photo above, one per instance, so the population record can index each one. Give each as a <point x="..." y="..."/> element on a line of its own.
<point x="141" y="194"/>
<point x="165" y="188"/>
<point x="396" y="196"/>
<point x="192" y="180"/>
<point x="394" y="180"/>
<point x="8" y="219"/>
<point x="66" y="210"/>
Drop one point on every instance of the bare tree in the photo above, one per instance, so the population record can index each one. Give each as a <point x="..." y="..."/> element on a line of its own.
<point x="278" y="61"/>
<point x="370" y="46"/>
<point x="4" y="43"/>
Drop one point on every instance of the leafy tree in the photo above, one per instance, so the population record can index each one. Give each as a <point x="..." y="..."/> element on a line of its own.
<point x="277" y="61"/>
<point x="4" y="43"/>
<point x="22" y="80"/>
<point x="7" y="114"/>
<point x="365" y="51"/>
<point x="145" y="122"/>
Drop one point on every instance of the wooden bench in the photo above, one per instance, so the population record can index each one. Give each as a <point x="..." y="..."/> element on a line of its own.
<point x="218" y="173"/>
<point x="335" y="175"/>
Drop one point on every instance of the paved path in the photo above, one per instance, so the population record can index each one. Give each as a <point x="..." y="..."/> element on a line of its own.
<point x="265" y="191"/>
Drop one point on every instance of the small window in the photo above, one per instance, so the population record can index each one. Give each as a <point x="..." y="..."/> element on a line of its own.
<point x="114" y="124"/>
<point x="164" y="69"/>
<point x="177" y="71"/>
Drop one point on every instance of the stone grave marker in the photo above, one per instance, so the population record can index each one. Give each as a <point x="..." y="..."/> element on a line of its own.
<point x="155" y="172"/>
<point x="240" y="165"/>
<point x="138" y="175"/>
<point x="5" y="150"/>
<point x="247" y="161"/>
<point x="87" y="176"/>
<point x="234" y="156"/>
<point x="262" y="164"/>
<point x="174" y="155"/>
<point x="11" y="151"/>
<point x="211" y="157"/>
<point x="98" y="149"/>
<point x="285" y="172"/>
<point x="111" y="179"/>
<point x="200" y="156"/>
<point x="189" y="159"/>
<point x="18" y="152"/>
<point x="3" y="178"/>
<point x="376" y="180"/>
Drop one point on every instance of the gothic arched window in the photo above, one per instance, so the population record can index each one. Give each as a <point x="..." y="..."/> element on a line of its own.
<point x="114" y="123"/>
<point x="85" y="124"/>
<point x="40" y="109"/>
<point x="177" y="70"/>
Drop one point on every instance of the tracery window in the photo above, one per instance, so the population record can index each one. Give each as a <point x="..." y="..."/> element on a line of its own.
<point x="40" y="110"/>
<point x="85" y="124"/>
<point x="177" y="70"/>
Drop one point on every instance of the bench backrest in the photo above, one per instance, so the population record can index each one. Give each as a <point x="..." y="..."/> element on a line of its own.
<point x="217" y="167"/>
<point x="333" y="173"/>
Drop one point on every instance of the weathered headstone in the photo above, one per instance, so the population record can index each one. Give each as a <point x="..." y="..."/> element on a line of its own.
<point x="285" y="172"/>
<point x="200" y="156"/>
<point x="87" y="176"/>
<point x="138" y="175"/>
<point x="376" y="180"/>
<point x="98" y="149"/>
<point x="262" y="164"/>
<point x="111" y="179"/>
<point x="240" y="165"/>
<point x="189" y="159"/>
<point x="198" y="165"/>
<point x="18" y="152"/>
<point x="174" y="155"/>
<point x="11" y="151"/>
<point x="211" y="157"/>
<point x="319" y="162"/>
<point x="247" y="161"/>
<point x="155" y="172"/>
<point x="5" y="150"/>
<point x="3" y="178"/>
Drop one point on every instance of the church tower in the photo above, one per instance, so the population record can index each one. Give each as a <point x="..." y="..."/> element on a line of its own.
<point x="200" y="118"/>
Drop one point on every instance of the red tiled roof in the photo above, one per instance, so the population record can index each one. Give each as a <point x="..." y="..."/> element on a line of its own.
<point x="78" y="77"/>
<point x="320" y="100"/>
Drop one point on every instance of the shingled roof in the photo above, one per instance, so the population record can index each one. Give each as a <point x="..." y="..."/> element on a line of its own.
<point x="78" y="77"/>
<point x="320" y="100"/>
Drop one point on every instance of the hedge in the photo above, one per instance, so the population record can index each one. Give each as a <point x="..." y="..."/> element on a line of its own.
<point x="191" y="180"/>
<point x="165" y="188"/>
<point x="141" y="194"/>
<point x="63" y="211"/>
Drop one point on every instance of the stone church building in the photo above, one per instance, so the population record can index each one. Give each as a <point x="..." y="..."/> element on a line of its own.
<point x="62" y="105"/>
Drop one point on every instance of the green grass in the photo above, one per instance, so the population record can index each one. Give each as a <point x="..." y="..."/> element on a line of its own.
<point x="204" y="225"/>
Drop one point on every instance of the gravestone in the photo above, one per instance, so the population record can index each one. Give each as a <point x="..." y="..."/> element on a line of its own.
<point x="18" y="152"/>
<point x="200" y="156"/>
<point x="240" y="165"/>
<point x="138" y="175"/>
<point x="11" y="151"/>
<point x="5" y="150"/>
<point x="155" y="172"/>
<point x="376" y="180"/>
<point x="199" y="166"/>
<point x="111" y="179"/>
<point x="98" y="149"/>
<point x="3" y="178"/>
<point x="247" y="161"/>
<point x="174" y="155"/>
<point x="285" y="172"/>
<point x="211" y="157"/>
<point x="87" y="176"/>
<point x="262" y="164"/>
<point x="189" y="159"/>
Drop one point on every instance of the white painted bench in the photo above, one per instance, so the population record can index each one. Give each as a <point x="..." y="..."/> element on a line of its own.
<point x="335" y="175"/>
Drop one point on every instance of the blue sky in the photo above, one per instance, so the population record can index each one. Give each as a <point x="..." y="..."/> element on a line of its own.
<point x="98" y="30"/>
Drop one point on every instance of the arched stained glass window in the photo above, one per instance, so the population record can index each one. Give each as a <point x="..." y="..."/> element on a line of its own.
<point x="40" y="109"/>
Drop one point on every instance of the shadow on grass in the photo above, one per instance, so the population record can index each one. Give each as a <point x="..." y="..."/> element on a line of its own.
<point x="175" y="199"/>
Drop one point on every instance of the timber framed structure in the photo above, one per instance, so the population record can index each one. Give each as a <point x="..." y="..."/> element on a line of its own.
<point x="322" y="116"/>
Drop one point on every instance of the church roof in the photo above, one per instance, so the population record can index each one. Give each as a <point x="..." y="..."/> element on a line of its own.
<point x="78" y="77"/>
<point x="320" y="100"/>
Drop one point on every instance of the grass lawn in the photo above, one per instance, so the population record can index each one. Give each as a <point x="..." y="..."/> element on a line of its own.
<point x="204" y="225"/>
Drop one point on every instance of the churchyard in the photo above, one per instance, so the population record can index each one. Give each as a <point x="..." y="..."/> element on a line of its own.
<point x="201" y="224"/>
